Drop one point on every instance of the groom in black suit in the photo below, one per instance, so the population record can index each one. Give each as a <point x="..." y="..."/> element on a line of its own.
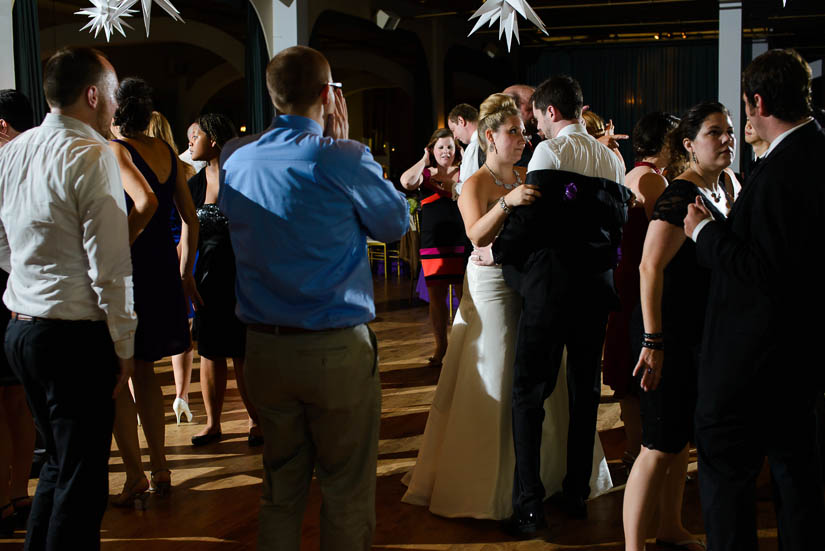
<point x="559" y="254"/>
<point x="761" y="364"/>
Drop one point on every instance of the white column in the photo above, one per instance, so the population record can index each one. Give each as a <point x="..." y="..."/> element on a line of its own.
<point x="730" y="65"/>
<point x="6" y="45"/>
<point x="285" y="23"/>
<point x="758" y="47"/>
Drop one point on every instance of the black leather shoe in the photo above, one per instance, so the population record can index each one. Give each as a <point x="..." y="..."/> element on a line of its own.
<point x="205" y="439"/>
<point x="524" y="524"/>
<point x="574" y="507"/>
<point x="255" y="440"/>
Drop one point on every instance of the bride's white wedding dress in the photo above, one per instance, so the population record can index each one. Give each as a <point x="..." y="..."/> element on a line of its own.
<point x="466" y="461"/>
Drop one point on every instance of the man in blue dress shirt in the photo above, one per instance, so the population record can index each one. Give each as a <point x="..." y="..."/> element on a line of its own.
<point x="301" y="201"/>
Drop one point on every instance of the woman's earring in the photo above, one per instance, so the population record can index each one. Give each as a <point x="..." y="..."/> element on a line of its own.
<point x="695" y="161"/>
<point x="494" y="147"/>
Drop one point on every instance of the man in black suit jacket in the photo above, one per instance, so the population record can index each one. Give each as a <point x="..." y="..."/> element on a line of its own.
<point x="761" y="360"/>
<point x="559" y="255"/>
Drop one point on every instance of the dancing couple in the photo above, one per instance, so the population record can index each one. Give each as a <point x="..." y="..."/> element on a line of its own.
<point x="504" y="409"/>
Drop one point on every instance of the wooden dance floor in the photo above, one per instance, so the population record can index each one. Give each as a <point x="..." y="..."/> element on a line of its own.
<point x="215" y="494"/>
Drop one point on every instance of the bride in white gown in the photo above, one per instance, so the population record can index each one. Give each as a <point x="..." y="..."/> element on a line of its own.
<point x="466" y="462"/>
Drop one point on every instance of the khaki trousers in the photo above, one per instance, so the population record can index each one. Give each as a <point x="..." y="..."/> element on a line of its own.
<point x="318" y="396"/>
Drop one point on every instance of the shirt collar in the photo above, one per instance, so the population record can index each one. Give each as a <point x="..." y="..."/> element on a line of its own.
<point x="474" y="138"/>
<point x="54" y="120"/>
<point x="574" y="128"/>
<point x="297" y="122"/>
<point x="784" y="135"/>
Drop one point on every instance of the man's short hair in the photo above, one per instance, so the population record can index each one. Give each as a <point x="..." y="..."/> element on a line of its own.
<point x="295" y="77"/>
<point x="16" y="110"/>
<point x="783" y="81"/>
<point x="69" y="72"/>
<point x="465" y="111"/>
<point x="562" y="92"/>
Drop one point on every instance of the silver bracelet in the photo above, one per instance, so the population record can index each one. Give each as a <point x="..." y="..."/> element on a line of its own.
<point x="504" y="206"/>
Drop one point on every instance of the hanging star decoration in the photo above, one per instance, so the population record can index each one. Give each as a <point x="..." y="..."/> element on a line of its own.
<point x="504" y="11"/>
<point x="147" y="10"/>
<point x="107" y="16"/>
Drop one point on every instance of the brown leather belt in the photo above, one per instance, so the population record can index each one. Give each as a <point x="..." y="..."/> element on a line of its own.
<point x="281" y="329"/>
<point x="23" y="317"/>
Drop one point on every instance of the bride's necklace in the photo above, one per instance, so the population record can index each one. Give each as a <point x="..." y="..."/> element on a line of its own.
<point x="498" y="180"/>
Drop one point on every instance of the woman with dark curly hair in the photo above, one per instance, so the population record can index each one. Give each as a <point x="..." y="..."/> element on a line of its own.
<point x="673" y="292"/>
<point x="220" y="334"/>
<point x="153" y="179"/>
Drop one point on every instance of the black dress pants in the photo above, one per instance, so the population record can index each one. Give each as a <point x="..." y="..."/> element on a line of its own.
<point x="545" y="328"/>
<point x="731" y="454"/>
<point x="68" y="369"/>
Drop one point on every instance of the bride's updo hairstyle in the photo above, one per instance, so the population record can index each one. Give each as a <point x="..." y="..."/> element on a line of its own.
<point x="134" y="106"/>
<point x="494" y="111"/>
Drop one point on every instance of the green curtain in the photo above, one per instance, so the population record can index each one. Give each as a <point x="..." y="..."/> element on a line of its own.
<point x="28" y="72"/>
<point x="258" y="104"/>
<point x="625" y="82"/>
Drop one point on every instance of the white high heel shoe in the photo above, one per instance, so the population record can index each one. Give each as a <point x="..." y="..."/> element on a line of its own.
<point x="179" y="406"/>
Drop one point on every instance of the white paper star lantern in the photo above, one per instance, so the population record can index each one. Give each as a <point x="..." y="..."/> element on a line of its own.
<point x="147" y="10"/>
<point x="107" y="17"/>
<point x="504" y="11"/>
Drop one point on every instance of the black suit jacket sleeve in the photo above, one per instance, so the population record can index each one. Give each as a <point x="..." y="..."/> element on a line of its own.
<point x="767" y="233"/>
<point x="578" y="216"/>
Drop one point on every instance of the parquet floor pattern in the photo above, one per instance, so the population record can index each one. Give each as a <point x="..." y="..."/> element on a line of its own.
<point x="216" y="489"/>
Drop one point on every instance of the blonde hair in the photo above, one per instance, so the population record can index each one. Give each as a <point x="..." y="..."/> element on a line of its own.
<point x="494" y="111"/>
<point x="594" y="124"/>
<point x="159" y="128"/>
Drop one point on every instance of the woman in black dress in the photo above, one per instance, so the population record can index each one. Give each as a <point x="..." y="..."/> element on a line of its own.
<point x="153" y="179"/>
<point x="219" y="333"/>
<point x="444" y="245"/>
<point x="673" y="296"/>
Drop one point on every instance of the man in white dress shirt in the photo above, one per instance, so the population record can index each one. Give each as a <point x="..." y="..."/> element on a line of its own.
<point x="64" y="238"/>
<point x="463" y="123"/>
<point x="583" y="297"/>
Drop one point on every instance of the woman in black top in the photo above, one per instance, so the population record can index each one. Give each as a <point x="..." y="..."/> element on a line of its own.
<point x="219" y="333"/>
<point x="673" y="295"/>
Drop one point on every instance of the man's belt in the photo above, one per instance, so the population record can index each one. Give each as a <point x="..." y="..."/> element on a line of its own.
<point x="282" y="329"/>
<point x="24" y="317"/>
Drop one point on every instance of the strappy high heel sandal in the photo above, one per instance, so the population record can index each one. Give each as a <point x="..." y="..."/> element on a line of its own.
<point x="161" y="488"/>
<point x="135" y="496"/>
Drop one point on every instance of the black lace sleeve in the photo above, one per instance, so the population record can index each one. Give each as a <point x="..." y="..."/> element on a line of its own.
<point x="673" y="202"/>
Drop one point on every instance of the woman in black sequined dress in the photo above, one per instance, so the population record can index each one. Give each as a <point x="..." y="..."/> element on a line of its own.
<point x="219" y="333"/>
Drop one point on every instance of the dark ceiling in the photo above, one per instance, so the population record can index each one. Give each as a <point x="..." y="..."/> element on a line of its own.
<point x="569" y="22"/>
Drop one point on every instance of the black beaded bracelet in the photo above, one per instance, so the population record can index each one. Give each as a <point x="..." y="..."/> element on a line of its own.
<point x="653" y="335"/>
<point x="653" y="345"/>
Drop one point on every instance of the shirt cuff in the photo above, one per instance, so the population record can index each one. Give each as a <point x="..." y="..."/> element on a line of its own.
<point x="699" y="228"/>
<point x="125" y="348"/>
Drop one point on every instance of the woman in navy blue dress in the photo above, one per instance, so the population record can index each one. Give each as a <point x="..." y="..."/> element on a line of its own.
<point x="152" y="176"/>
